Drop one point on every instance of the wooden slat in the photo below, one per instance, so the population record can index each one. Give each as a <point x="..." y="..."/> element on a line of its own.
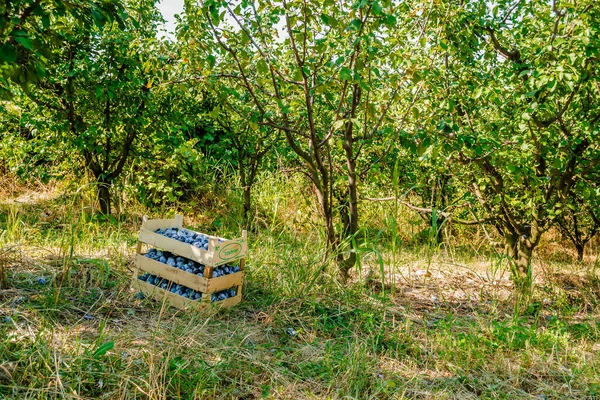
<point x="224" y="252"/>
<point x="136" y="273"/>
<point x="178" y="221"/>
<point x="173" y="299"/>
<point x="154" y="224"/>
<point x="225" y="282"/>
<point x="219" y="253"/>
<point x="231" y="301"/>
<point x="180" y="302"/>
<point x="212" y="243"/>
<point x="207" y="235"/>
<point x="227" y="251"/>
<point x="173" y="274"/>
<point x="175" y="246"/>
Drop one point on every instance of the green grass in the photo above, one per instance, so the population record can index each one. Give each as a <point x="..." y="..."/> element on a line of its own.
<point x="442" y="328"/>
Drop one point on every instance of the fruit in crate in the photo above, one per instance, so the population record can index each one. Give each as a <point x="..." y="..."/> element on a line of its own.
<point x="186" y="236"/>
<point x="187" y="265"/>
<point x="216" y="278"/>
<point x="183" y="291"/>
<point x="223" y="294"/>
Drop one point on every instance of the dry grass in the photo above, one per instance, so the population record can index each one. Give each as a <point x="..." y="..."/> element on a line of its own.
<point x="440" y="327"/>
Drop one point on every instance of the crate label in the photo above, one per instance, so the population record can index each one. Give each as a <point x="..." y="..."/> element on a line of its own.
<point x="229" y="251"/>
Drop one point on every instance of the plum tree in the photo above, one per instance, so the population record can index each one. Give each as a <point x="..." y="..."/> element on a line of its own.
<point x="120" y="63"/>
<point x="519" y="115"/>
<point x="30" y="30"/>
<point x="326" y="83"/>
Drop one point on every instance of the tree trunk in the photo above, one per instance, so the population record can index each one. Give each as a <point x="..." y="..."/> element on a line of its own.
<point x="327" y="215"/>
<point x="580" y="247"/>
<point x="3" y="277"/>
<point x="329" y="228"/>
<point x="346" y="264"/>
<point x="520" y="252"/>
<point x="247" y="201"/>
<point x="104" y="197"/>
<point x="350" y="218"/>
<point x="436" y="234"/>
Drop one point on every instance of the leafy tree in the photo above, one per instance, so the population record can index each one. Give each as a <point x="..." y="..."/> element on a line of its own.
<point x="521" y="119"/>
<point x="99" y="93"/>
<point x="323" y="74"/>
<point x="24" y="146"/>
<point x="579" y="219"/>
<point x="250" y="141"/>
<point x="30" y="29"/>
<point x="425" y="183"/>
<point x="171" y="164"/>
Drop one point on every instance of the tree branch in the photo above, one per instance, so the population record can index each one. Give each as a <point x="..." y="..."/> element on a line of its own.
<point x="424" y="210"/>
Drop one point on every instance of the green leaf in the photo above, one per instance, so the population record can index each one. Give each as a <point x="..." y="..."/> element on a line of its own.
<point x="41" y="71"/>
<point x="8" y="53"/>
<point x="103" y="349"/>
<point x="377" y="8"/>
<point x="345" y="74"/>
<point x="532" y="93"/>
<point x="262" y="67"/>
<point x="25" y="41"/>
<point x="98" y="18"/>
<point x="285" y="109"/>
<point x="390" y="20"/>
<point x="523" y="73"/>
<point x="45" y="21"/>
<point x="211" y="60"/>
<point x="355" y="25"/>
<point x="214" y="114"/>
<point x="18" y="32"/>
<point x="338" y="124"/>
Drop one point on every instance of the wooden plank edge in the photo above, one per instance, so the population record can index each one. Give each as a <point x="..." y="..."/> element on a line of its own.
<point x="225" y="282"/>
<point x="230" y="302"/>
<point x="174" y="246"/>
<point x="177" y="222"/>
<point x="158" y="294"/>
<point x="161" y="295"/>
<point x="230" y="251"/>
<point x="208" y="258"/>
<point x="154" y="224"/>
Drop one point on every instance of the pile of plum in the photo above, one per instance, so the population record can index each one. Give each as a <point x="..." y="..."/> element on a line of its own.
<point x="186" y="236"/>
<point x="191" y="267"/>
<point x="195" y="239"/>
<point x="187" y="265"/>
<point x="185" y="291"/>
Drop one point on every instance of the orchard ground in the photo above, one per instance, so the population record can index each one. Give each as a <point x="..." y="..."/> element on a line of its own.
<point x="439" y="325"/>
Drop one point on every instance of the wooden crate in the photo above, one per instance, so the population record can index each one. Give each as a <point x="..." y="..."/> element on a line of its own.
<point x="227" y="250"/>
<point x="220" y="251"/>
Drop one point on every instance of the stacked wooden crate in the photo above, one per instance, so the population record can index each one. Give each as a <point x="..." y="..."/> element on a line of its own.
<point x="220" y="251"/>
